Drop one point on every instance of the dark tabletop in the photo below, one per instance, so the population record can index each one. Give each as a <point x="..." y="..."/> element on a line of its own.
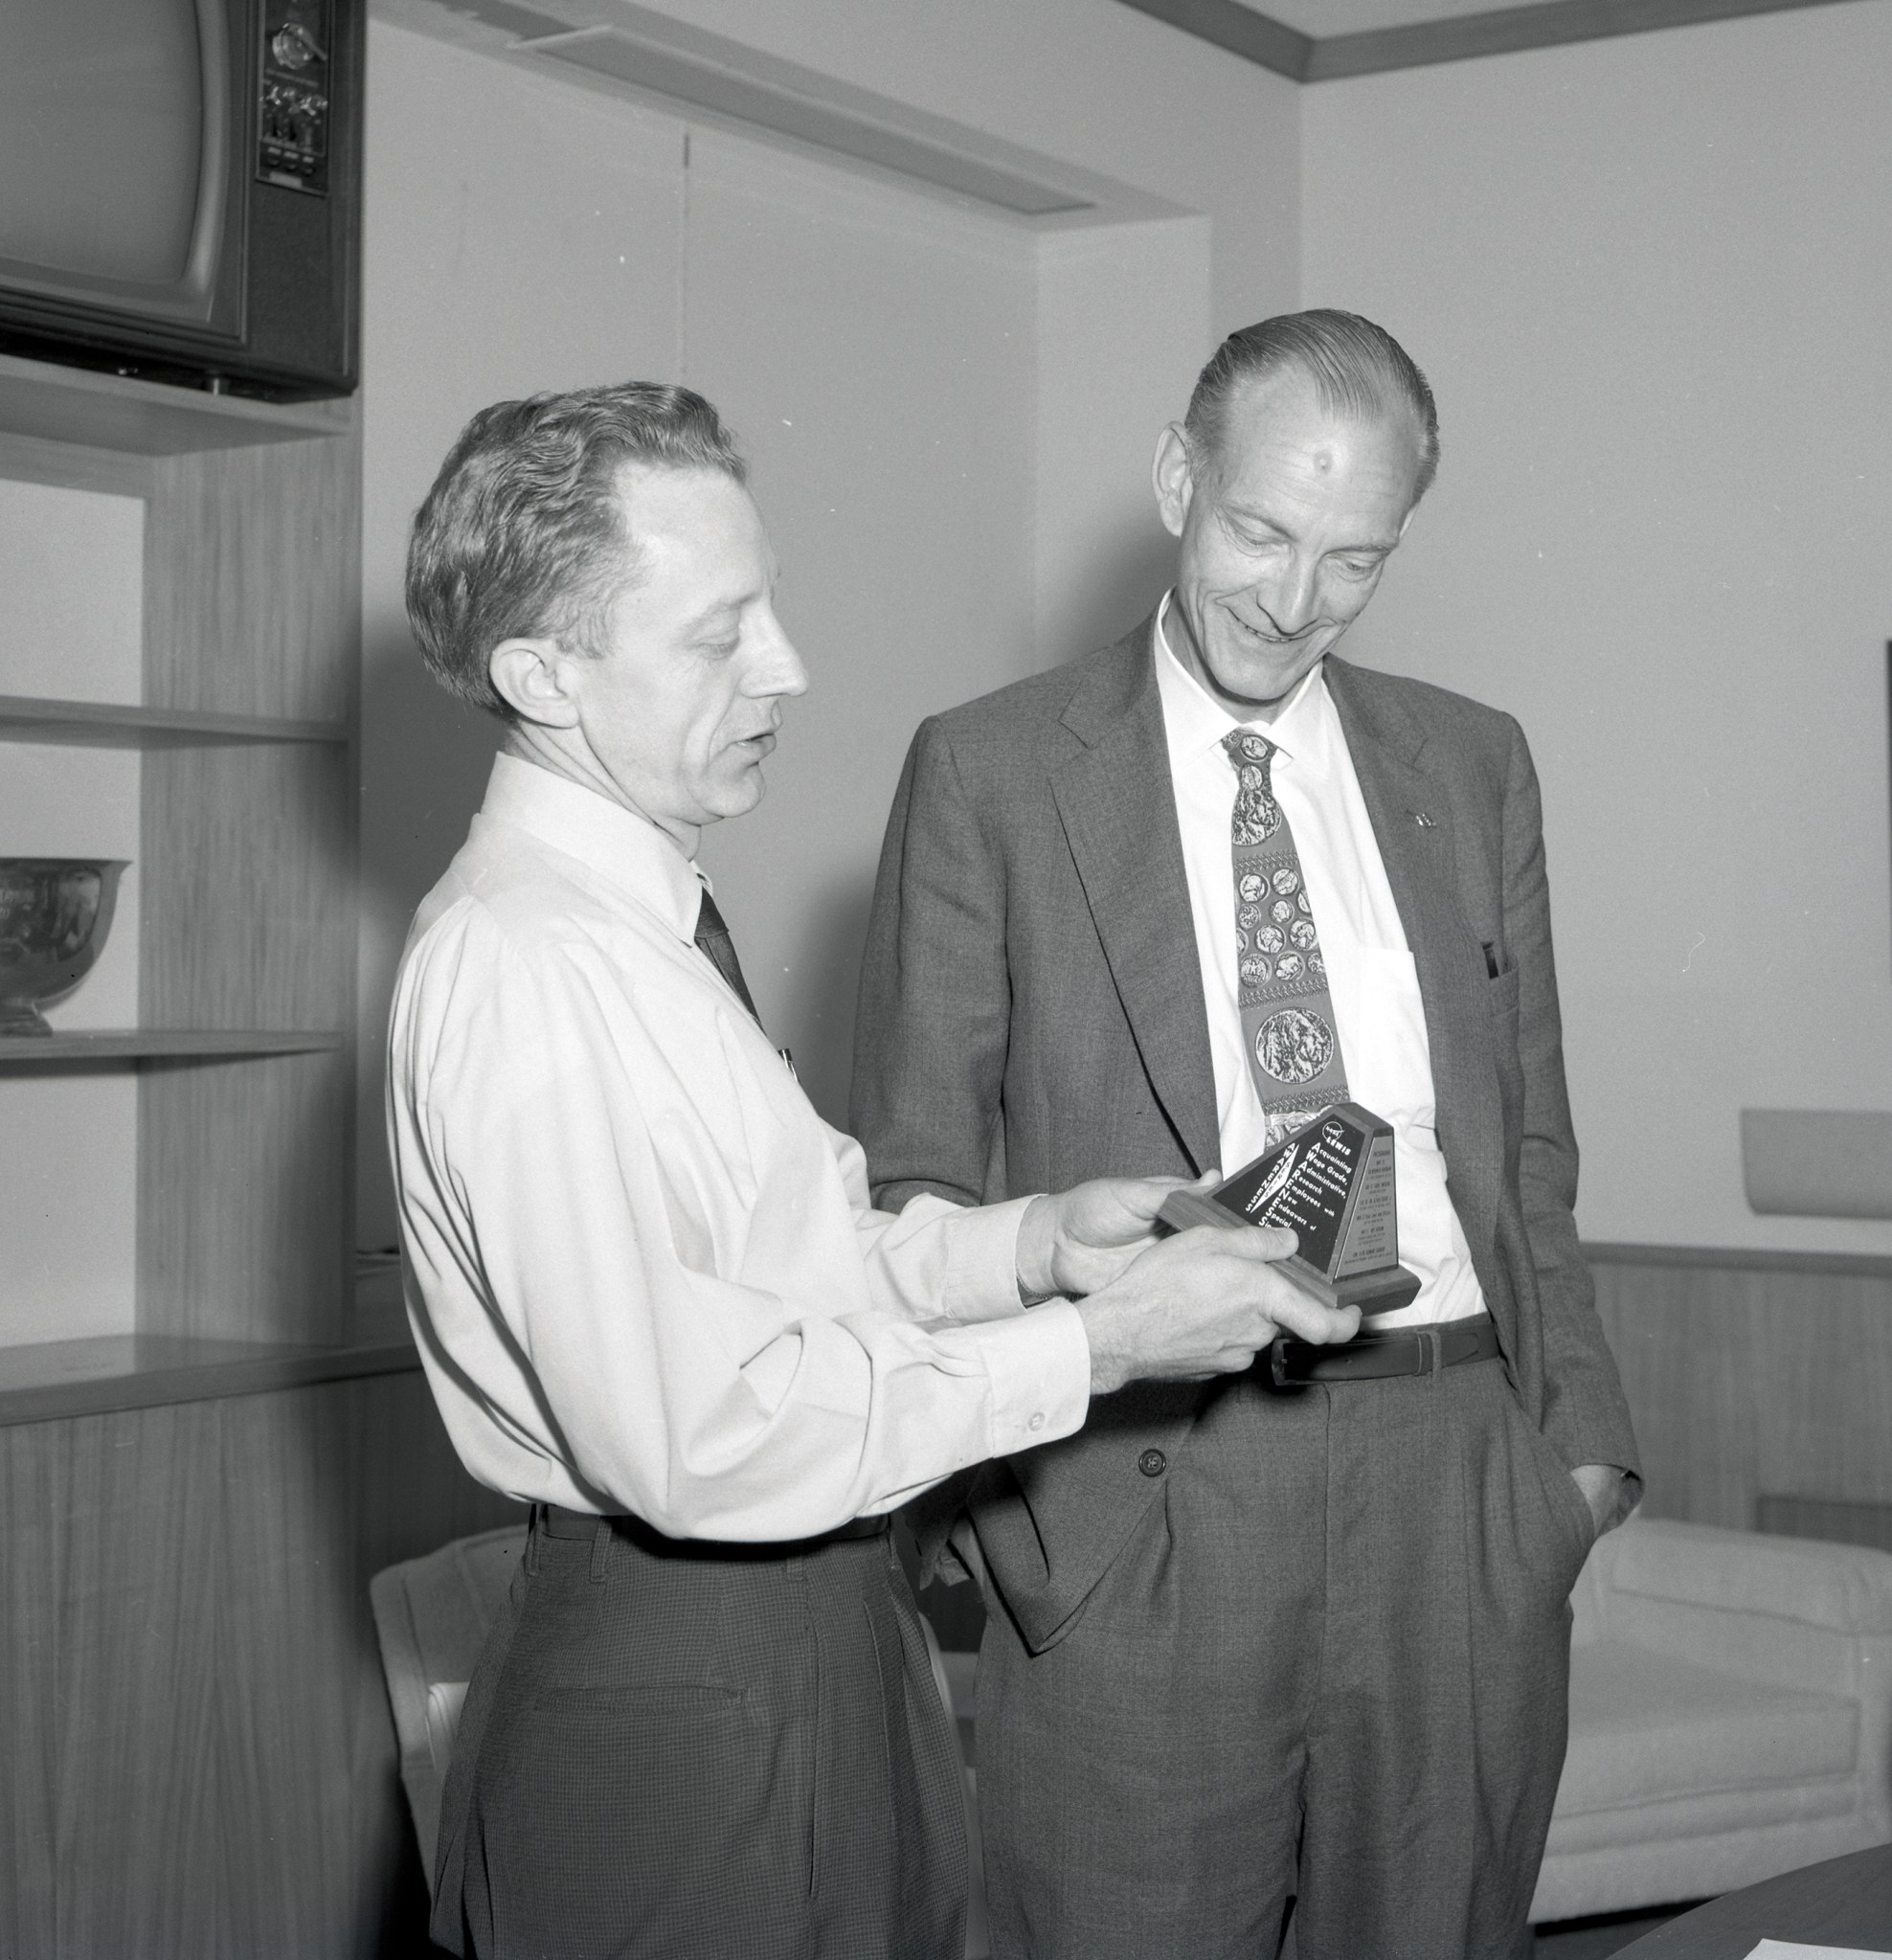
<point x="1846" y="1901"/>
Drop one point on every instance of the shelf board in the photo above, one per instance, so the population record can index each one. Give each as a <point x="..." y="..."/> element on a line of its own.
<point x="52" y="1379"/>
<point x="164" y="1044"/>
<point x="46" y="1380"/>
<point x="108" y="725"/>
<point x="150" y="418"/>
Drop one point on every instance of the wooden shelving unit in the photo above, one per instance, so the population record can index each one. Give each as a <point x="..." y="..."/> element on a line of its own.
<point x="246" y="867"/>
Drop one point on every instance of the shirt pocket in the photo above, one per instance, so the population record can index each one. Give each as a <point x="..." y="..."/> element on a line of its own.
<point x="1383" y="1033"/>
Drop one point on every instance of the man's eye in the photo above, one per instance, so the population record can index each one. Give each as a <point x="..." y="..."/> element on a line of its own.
<point x="1358" y="568"/>
<point x="717" y="649"/>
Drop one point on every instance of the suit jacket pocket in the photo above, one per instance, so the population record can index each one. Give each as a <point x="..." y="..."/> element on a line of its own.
<point x="1502" y="993"/>
<point x="1051" y="1520"/>
<point x="1502" y="996"/>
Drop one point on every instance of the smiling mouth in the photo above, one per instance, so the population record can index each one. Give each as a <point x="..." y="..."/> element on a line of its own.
<point x="1272" y="639"/>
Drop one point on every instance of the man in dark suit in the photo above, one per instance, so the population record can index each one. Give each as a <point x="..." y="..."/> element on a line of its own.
<point x="1301" y="1636"/>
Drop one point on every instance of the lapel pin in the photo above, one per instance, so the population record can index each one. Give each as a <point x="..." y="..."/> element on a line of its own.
<point x="1420" y="817"/>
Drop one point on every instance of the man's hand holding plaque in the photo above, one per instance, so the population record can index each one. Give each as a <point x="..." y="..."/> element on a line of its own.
<point x="1332" y="1184"/>
<point x="1202" y="1304"/>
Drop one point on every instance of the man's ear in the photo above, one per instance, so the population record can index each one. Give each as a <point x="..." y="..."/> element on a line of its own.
<point x="533" y="677"/>
<point x="1174" y="478"/>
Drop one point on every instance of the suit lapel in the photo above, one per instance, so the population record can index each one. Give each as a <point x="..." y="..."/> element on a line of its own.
<point x="1411" y="812"/>
<point x="1118" y="811"/>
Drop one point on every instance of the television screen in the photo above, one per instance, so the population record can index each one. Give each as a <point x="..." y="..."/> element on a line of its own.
<point x="103" y="129"/>
<point x="180" y="189"/>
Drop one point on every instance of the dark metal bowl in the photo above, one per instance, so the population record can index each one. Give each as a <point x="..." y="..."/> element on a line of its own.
<point x="55" y="913"/>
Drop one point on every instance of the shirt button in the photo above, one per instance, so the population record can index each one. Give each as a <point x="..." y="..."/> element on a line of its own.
<point x="1152" y="1463"/>
<point x="1037" y="1422"/>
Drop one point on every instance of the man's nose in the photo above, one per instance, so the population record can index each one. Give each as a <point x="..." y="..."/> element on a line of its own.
<point x="1292" y="602"/>
<point x="778" y="668"/>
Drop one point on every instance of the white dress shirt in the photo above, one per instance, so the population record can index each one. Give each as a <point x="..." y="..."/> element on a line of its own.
<point x="643" y="1274"/>
<point x="1374" y="985"/>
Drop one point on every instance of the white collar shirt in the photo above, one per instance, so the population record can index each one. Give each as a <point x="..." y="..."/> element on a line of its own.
<point x="642" y="1273"/>
<point x="1374" y="985"/>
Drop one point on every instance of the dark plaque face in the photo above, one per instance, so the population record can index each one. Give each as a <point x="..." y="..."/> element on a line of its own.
<point x="1304" y="1184"/>
<point x="1332" y="1184"/>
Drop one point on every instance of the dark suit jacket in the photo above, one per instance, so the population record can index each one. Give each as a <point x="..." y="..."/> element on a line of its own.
<point x="1031" y="1015"/>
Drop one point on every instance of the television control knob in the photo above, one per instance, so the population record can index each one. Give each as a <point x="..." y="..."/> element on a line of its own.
<point x="294" y="48"/>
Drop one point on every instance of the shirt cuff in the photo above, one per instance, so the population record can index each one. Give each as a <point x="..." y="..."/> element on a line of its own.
<point x="1038" y="1364"/>
<point x="981" y="1261"/>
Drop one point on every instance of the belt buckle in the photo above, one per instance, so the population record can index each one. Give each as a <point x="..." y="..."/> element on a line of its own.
<point x="1277" y="1361"/>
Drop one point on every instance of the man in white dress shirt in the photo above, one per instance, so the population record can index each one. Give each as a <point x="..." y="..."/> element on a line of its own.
<point x="649" y="1292"/>
<point x="1301" y="1636"/>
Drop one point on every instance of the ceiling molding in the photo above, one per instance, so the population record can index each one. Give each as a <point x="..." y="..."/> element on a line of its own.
<point x="1238" y="29"/>
<point x="1505" y="30"/>
<point x="803" y="110"/>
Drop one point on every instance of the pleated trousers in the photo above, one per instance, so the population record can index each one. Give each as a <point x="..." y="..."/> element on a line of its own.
<point x="693" y="1749"/>
<point x="1331" y="1667"/>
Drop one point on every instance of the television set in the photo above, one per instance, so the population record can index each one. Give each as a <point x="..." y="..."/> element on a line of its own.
<point x="180" y="189"/>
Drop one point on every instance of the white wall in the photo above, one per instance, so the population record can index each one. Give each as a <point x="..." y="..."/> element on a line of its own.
<point x="1651" y="280"/>
<point x="1126" y="313"/>
<point x="949" y="414"/>
<point x="1091" y="83"/>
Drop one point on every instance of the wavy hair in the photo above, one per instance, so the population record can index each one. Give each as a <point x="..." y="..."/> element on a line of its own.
<point x="523" y="532"/>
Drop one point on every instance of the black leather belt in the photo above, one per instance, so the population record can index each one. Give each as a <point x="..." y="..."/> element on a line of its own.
<point x="556" y="1521"/>
<point x="1373" y="1357"/>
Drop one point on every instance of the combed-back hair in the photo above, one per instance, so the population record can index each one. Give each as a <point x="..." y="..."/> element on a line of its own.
<point x="522" y="534"/>
<point x="1358" y="369"/>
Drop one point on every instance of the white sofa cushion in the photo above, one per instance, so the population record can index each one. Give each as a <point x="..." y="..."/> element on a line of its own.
<point x="1661" y="1743"/>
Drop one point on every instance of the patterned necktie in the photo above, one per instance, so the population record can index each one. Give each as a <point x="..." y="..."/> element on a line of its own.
<point x="713" y="943"/>
<point x="1287" y="1014"/>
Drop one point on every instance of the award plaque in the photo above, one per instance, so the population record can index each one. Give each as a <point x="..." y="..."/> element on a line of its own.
<point x="1332" y="1184"/>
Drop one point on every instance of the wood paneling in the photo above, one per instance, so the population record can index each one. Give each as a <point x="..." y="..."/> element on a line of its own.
<point x="244" y="1198"/>
<point x="200" y="1760"/>
<point x="1752" y="1380"/>
<point x="252" y="581"/>
<point x="248" y="877"/>
<point x="1843" y="1519"/>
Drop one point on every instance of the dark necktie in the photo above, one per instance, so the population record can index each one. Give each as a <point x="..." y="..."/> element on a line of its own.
<point x="1281" y="972"/>
<point x="713" y="943"/>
